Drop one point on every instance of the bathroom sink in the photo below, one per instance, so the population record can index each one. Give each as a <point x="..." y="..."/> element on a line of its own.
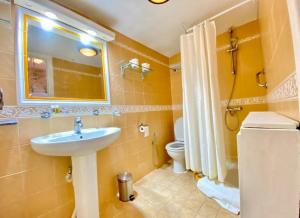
<point x="72" y="144"/>
<point x="81" y="145"/>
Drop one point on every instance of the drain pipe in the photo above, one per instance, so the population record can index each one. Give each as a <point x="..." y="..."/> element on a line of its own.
<point x="155" y="154"/>
<point x="69" y="179"/>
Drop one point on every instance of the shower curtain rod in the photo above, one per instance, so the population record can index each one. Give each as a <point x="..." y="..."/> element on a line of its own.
<point x="222" y="13"/>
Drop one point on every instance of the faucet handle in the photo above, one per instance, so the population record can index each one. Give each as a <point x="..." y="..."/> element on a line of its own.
<point x="78" y="122"/>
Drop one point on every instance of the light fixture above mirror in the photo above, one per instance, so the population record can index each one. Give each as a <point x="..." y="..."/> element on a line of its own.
<point x="60" y="14"/>
<point x="51" y="15"/>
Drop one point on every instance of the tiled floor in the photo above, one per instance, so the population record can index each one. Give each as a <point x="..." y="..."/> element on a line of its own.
<point x="163" y="194"/>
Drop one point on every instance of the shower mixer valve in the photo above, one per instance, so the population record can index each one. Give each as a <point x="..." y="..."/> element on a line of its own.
<point x="232" y="110"/>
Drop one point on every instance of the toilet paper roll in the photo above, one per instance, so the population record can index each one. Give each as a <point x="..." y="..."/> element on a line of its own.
<point x="145" y="130"/>
<point x="145" y="67"/>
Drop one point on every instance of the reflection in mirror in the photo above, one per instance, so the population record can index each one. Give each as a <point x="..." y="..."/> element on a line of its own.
<point x="62" y="63"/>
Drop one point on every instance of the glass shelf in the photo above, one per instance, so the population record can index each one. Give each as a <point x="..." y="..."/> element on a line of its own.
<point x="137" y="67"/>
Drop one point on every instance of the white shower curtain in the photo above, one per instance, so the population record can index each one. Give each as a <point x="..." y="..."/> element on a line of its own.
<point x="203" y="132"/>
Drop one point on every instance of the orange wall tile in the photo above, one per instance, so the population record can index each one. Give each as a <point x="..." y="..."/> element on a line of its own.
<point x="33" y="185"/>
<point x="76" y="85"/>
<point x="250" y="61"/>
<point x="278" y="50"/>
<point x="175" y="59"/>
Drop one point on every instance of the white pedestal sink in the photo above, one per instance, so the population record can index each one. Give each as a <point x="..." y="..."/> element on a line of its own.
<point x="82" y="148"/>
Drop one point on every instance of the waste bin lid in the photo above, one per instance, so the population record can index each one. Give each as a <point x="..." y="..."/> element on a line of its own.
<point x="124" y="176"/>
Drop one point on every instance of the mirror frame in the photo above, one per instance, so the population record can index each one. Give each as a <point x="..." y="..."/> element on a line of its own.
<point x="22" y="66"/>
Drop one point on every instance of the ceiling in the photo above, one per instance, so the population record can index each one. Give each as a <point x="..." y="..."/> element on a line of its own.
<point x="156" y="26"/>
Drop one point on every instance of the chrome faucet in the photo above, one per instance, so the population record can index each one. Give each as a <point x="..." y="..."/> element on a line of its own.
<point x="78" y="125"/>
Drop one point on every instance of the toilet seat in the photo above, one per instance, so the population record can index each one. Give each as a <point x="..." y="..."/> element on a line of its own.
<point x="176" y="149"/>
<point x="175" y="146"/>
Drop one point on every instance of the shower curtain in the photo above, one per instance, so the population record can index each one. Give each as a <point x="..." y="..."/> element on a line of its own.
<point x="203" y="132"/>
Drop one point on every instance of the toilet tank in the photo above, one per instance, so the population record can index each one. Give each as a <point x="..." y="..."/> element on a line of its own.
<point x="268" y="161"/>
<point x="178" y="129"/>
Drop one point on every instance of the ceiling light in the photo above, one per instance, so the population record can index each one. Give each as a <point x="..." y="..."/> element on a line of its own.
<point x="158" y="2"/>
<point x="51" y="15"/>
<point x="37" y="61"/>
<point x="89" y="52"/>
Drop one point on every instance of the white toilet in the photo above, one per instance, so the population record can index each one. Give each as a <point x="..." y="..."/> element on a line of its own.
<point x="176" y="149"/>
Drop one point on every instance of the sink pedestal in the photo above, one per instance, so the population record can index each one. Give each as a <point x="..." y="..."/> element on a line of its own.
<point x="85" y="182"/>
<point x="82" y="148"/>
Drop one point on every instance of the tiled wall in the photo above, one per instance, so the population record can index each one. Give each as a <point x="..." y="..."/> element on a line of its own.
<point x="278" y="55"/>
<point x="176" y="85"/>
<point x="247" y="93"/>
<point x="33" y="185"/>
<point x="74" y="80"/>
<point x="249" y="62"/>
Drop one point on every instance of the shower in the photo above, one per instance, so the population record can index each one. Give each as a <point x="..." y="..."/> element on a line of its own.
<point x="230" y="110"/>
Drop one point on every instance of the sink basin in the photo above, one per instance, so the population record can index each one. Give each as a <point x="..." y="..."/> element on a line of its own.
<point x="82" y="148"/>
<point x="72" y="144"/>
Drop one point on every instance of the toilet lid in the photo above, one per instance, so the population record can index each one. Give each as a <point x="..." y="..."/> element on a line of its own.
<point x="175" y="146"/>
<point x="178" y="130"/>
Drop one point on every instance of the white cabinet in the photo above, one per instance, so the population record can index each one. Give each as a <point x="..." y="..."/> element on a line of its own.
<point x="268" y="158"/>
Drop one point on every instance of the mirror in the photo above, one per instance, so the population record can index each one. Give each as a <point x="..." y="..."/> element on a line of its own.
<point x="62" y="63"/>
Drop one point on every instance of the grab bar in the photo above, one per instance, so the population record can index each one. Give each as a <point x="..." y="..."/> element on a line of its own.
<point x="258" y="82"/>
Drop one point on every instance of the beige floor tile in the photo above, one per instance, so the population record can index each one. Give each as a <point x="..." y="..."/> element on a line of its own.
<point x="176" y="210"/>
<point x="211" y="203"/>
<point x="208" y="211"/>
<point x="164" y="194"/>
<point x="225" y="214"/>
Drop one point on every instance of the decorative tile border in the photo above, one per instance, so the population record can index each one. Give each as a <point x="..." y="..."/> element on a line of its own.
<point x="287" y="90"/>
<point x="65" y="70"/>
<point x="177" y="107"/>
<point x="234" y="102"/>
<point x="245" y="101"/>
<point x="35" y="111"/>
<point x="139" y="53"/>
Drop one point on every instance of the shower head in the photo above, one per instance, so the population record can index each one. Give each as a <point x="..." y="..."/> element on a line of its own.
<point x="233" y="40"/>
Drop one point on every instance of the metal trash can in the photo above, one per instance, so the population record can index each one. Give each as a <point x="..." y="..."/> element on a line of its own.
<point x="125" y="183"/>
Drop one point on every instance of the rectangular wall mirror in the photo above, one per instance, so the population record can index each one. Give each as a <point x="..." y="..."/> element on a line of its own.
<point x="60" y="63"/>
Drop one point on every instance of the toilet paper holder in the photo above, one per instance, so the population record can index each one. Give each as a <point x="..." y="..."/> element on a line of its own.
<point x="143" y="128"/>
<point x="142" y="125"/>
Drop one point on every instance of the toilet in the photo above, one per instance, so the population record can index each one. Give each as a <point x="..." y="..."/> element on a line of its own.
<point x="176" y="149"/>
